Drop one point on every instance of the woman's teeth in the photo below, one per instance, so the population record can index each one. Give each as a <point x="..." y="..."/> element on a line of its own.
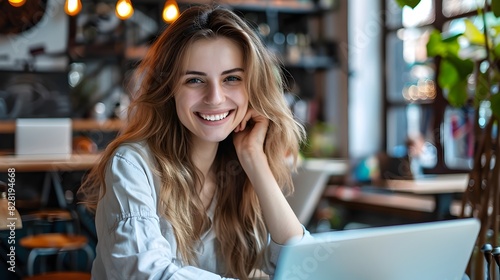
<point x="213" y="118"/>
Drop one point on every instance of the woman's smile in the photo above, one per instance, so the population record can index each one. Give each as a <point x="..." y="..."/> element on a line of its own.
<point x="214" y="117"/>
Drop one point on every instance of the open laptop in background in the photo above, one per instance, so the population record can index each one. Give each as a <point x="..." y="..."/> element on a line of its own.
<point x="43" y="138"/>
<point x="309" y="186"/>
<point x="392" y="168"/>
<point x="432" y="251"/>
<point x="310" y="181"/>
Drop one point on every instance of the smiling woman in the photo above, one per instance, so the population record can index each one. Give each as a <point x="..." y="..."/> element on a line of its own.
<point x="194" y="187"/>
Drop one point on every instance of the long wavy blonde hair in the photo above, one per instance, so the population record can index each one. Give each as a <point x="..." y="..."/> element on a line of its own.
<point x="152" y="118"/>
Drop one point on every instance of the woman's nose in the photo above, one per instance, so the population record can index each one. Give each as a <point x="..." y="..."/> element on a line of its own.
<point x="214" y="95"/>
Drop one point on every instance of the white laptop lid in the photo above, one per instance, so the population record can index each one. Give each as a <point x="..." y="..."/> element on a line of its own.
<point x="310" y="181"/>
<point x="309" y="186"/>
<point x="431" y="251"/>
<point x="43" y="137"/>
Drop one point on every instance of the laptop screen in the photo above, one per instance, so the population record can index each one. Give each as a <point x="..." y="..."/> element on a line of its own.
<point x="43" y="137"/>
<point x="432" y="251"/>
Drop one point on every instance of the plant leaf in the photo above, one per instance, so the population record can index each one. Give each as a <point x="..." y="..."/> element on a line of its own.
<point x="482" y="89"/>
<point x="451" y="44"/>
<point x="410" y="3"/>
<point x="457" y="95"/>
<point x="463" y="67"/>
<point x="448" y="74"/>
<point x="495" y="7"/>
<point x="473" y="34"/>
<point x="496" y="50"/>
<point x="495" y="105"/>
<point x="435" y="45"/>
<point x="495" y="29"/>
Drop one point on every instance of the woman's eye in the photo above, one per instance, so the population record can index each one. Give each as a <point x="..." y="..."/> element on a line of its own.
<point x="233" y="79"/>
<point x="194" y="81"/>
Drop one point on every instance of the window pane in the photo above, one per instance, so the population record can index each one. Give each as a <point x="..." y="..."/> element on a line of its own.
<point x="457" y="7"/>
<point x="422" y="14"/>
<point x="397" y="130"/>
<point x="411" y="122"/>
<point x="457" y="26"/>
<point x="409" y="71"/>
<point x="394" y="14"/>
<point x="407" y="121"/>
<point x="458" y="137"/>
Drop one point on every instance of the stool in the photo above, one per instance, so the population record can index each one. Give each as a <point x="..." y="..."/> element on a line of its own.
<point x="54" y="244"/>
<point x="61" y="276"/>
<point x="51" y="216"/>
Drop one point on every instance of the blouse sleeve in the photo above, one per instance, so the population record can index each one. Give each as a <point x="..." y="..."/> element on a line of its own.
<point x="130" y="241"/>
<point x="274" y="249"/>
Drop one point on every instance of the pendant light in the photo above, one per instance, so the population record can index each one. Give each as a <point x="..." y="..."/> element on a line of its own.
<point x="124" y="9"/>
<point x="17" y="3"/>
<point x="170" y="11"/>
<point x="72" y="7"/>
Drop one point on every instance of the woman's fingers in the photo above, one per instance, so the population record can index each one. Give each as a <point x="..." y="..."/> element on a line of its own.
<point x="243" y="122"/>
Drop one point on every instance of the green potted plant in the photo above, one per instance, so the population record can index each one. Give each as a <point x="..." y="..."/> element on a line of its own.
<point x="468" y="72"/>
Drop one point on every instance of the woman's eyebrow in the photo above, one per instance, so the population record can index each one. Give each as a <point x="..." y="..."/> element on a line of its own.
<point x="199" y="73"/>
<point x="189" y="72"/>
<point x="232" y="71"/>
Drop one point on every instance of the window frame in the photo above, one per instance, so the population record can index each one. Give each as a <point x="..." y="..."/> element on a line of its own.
<point x="439" y="105"/>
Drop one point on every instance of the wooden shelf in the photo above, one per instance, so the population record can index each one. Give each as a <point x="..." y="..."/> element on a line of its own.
<point x="105" y="125"/>
<point x="77" y="124"/>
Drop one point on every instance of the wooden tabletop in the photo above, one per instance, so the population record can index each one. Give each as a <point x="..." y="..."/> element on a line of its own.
<point x="72" y="163"/>
<point x="431" y="184"/>
<point x="76" y="124"/>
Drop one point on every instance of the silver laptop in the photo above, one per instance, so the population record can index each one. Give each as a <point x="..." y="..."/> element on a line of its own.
<point x="43" y="138"/>
<point x="432" y="251"/>
<point x="310" y="181"/>
<point x="309" y="186"/>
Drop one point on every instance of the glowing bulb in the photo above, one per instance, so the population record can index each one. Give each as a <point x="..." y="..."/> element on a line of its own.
<point x="17" y="3"/>
<point x="170" y="11"/>
<point x="72" y="7"/>
<point x="124" y="9"/>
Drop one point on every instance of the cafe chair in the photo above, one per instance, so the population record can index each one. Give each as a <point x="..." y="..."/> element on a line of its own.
<point x="51" y="220"/>
<point x="58" y="244"/>
<point x="56" y="233"/>
<point x="42" y="244"/>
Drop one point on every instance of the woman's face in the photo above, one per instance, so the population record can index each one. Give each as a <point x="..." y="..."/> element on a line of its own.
<point x="212" y="98"/>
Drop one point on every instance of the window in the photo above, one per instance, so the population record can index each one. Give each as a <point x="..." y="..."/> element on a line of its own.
<point x="414" y="103"/>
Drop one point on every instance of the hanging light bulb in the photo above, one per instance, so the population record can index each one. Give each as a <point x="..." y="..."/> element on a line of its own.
<point x="170" y="11"/>
<point x="72" y="7"/>
<point x="124" y="9"/>
<point x="17" y="3"/>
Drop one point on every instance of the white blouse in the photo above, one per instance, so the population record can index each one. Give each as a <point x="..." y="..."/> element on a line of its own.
<point x="135" y="241"/>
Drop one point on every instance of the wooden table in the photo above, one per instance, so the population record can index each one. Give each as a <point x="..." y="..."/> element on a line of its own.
<point x="431" y="184"/>
<point x="75" y="162"/>
<point x="428" y="198"/>
<point x="442" y="186"/>
<point x="76" y="124"/>
<point x="72" y="163"/>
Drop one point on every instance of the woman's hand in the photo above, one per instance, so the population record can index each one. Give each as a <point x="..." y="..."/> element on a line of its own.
<point x="249" y="137"/>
